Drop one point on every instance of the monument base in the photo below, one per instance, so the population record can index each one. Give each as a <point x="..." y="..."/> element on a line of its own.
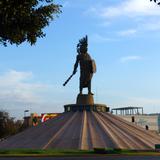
<point x="85" y="102"/>
<point x="94" y="107"/>
<point x="85" y="99"/>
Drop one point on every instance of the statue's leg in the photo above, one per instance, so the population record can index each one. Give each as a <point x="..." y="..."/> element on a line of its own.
<point x="80" y="88"/>
<point x="89" y="88"/>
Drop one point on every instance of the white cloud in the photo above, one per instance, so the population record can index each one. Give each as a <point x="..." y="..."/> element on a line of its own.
<point x="127" y="32"/>
<point x="99" y="38"/>
<point x="139" y="15"/>
<point x="146" y="26"/>
<point x="129" y="8"/>
<point x="15" y="87"/>
<point x="152" y="25"/>
<point x="130" y="58"/>
<point x="18" y="92"/>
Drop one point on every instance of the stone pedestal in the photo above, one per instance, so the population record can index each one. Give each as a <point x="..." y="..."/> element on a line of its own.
<point x="85" y="102"/>
<point x="85" y="99"/>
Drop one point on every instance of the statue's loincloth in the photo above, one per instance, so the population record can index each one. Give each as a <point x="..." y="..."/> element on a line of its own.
<point x="85" y="79"/>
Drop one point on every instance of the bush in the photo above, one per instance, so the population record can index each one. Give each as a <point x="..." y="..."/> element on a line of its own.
<point x="100" y="150"/>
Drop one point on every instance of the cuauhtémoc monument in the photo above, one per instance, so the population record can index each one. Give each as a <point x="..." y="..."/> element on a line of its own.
<point x="87" y="69"/>
<point x="84" y="125"/>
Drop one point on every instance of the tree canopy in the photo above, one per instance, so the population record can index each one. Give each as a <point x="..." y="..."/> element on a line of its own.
<point x="24" y="20"/>
<point x="156" y="1"/>
<point x="8" y="126"/>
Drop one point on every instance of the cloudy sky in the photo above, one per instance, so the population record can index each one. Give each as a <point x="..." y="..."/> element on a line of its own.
<point x="124" y="38"/>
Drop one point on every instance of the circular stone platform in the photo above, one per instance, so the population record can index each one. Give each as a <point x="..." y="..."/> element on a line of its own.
<point x="85" y="102"/>
<point x="94" y="107"/>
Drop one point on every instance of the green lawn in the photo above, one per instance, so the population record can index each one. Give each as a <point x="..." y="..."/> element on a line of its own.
<point x="56" y="152"/>
<point x="40" y="152"/>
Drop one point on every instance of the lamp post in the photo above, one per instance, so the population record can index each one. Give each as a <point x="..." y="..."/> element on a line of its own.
<point x="25" y="111"/>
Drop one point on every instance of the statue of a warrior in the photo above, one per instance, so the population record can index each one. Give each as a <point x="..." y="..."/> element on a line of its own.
<point x="87" y="65"/>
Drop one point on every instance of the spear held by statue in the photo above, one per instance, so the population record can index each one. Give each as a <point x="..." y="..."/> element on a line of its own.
<point x="74" y="72"/>
<point x="67" y="80"/>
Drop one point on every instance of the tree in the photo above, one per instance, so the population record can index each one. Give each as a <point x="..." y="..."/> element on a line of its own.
<point x="24" y="20"/>
<point x="156" y="1"/>
<point x="8" y="126"/>
<point x="3" y="120"/>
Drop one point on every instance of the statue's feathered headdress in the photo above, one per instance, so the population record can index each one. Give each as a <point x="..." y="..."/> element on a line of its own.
<point x="83" y="44"/>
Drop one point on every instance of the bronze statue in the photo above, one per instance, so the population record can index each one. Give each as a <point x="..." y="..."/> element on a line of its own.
<point x="87" y="66"/>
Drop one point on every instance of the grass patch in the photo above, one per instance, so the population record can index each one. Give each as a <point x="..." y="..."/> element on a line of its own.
<point x="60" y="152"/>
<point x="52" y="152"/>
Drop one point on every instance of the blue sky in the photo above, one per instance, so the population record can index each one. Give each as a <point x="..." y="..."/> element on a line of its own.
<point x="124" y="37"/>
